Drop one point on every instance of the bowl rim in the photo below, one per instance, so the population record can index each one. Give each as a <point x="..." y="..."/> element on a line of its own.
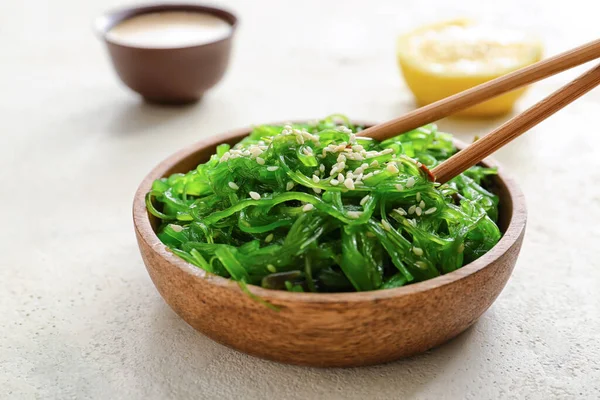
<point x="109" y="19"/>
<point x="144" y="230"/>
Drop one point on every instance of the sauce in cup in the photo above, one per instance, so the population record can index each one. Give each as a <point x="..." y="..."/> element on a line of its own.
<point x="169" y="29"/>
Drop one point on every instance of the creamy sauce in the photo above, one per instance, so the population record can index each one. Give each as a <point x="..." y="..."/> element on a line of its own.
<point x="169" y="29"/>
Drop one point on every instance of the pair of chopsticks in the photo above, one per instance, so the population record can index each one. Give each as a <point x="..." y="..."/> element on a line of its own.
<point x="513" y="128"/>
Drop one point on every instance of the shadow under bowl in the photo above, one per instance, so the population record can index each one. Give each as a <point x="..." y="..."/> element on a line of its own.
<point x="174" y="75"/>
<point x="323" y="329"/>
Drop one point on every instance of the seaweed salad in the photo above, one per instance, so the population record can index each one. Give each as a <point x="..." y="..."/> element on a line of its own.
<point x="316" y="207"/>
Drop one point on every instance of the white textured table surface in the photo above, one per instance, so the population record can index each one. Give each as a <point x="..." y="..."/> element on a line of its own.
<point x="79" y="316"/>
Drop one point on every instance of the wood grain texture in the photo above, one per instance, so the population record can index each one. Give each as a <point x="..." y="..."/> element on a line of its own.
<point x="327" y="330"/>
<point x="516" y="126"/>
<point x="478" y="94"/>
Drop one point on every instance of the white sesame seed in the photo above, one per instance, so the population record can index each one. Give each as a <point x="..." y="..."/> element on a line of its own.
<point x="422" y="204"/>
<point x="176" y="228"/>
<point x="377" y="172"/>
<point x="392" y="168"/>
<point x="418" y="251"/>
<point x="299" y="139"/>
<point x="364" y="200"/>
<point x="418" y="196"/>
<point x="358" y="171"/>
<point x="418" y="211"/>
<point x="387" y="151"/>
<point x="340" y="177"/>
<point x="341" y="158"/>
<point x="260" y="160"/>
<point x="349" y="183"/>
<point x="341" y="165"/>
<point x="273" y="168"/>
<point x="269" y="238"/>
<point x="309" y="135"/>
<point x="413" y="222"/>
<point x="334" y="182"/>
<point x="334" y="170"/>
<point x="349" y="174"/>
<point x="411" y="209"/>
<point x="317" y="190"/>
<point x="233" y="185"/>
<point x="354" y="214"/>
<point x="271" y="268"/>
<point x="410" y="182"/>
<point x="400" y="210"/>
<point x="315" y="179"/>
<point x="408" y="158"/>
<point x="399" y="187"/>
<point x="431" y="210"/>
<point x="289" y="186"/>
<point x="340" y="147"/>
<point x="364" y="166"/>
<point x="225" y="157"/>
<point x="357" y="148"/>
<point x="307" y="207"/>
<point x="322" y="168"/>
<point x="375" y="163"/>
<point x="421" y="265"/>
<point x="386" y="225"/>
<point x="254" y="195"/>
<point x="352" y="137"/>
<point x="358" y="177"/>
<point x="367" y="176"/>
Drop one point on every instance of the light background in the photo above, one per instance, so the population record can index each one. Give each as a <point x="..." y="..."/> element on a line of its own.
<point x="79" y="316"/>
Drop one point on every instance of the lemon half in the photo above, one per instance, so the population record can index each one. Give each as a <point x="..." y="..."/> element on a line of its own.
<point x="440" y="60"/>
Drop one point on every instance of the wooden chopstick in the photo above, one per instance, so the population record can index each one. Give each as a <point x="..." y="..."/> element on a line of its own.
<point x="516" y="126"/>
<point x="485" y="91"/>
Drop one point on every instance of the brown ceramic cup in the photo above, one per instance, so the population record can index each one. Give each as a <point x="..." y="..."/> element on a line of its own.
<point x="175" y="75"/>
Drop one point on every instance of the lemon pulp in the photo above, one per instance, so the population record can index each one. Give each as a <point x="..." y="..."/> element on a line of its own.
<point x="443" y="59"/>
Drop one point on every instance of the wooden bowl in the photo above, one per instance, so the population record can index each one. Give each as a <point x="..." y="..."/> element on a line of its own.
<point x="327" y="330"/>
<point x="173" y="75"/>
